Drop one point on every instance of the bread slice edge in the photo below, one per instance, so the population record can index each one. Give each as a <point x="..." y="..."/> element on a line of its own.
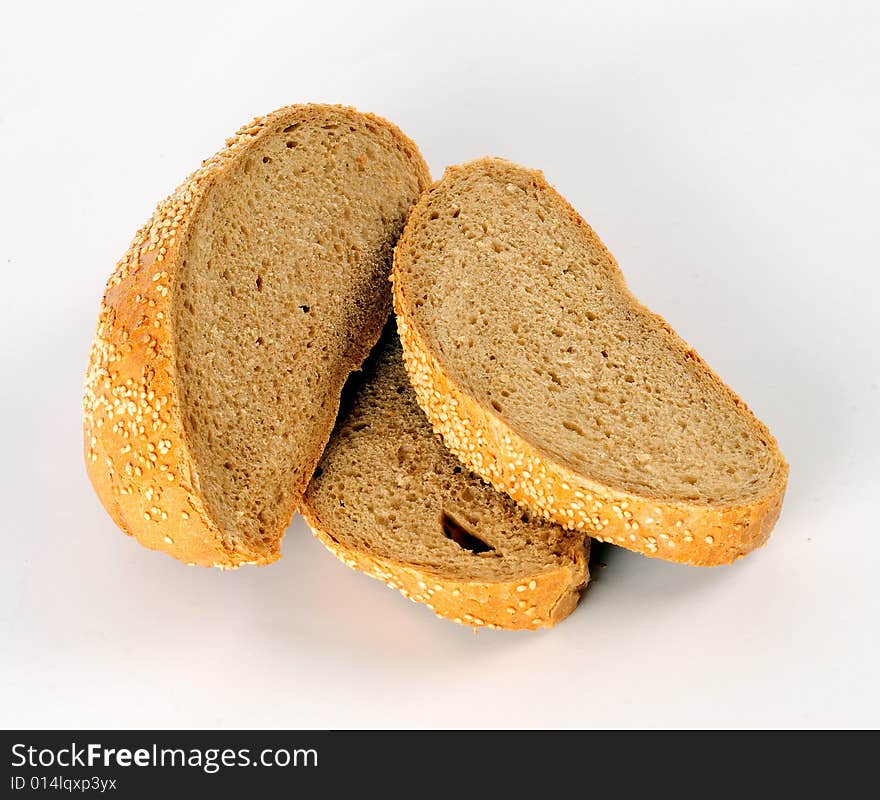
<point x="529" y="602"/>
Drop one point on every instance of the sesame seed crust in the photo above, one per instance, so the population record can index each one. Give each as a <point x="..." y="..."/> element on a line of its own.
<point x="136" y="452"/>
<point x="527" y="603"/>
<point x="700" y="535"/>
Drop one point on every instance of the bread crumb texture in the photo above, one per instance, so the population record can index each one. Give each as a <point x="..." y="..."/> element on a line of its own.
<point x="545" y="376"/>
<point x="228" y="329"/>
<point x="389" y="499"/>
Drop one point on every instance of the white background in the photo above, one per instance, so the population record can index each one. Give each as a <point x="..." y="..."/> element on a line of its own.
<point x="728" y="156"/>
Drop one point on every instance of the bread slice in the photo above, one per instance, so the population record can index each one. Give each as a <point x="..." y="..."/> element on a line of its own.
<point x="548" y="378"/>
<point x="389" y="499"/>
<point x="228" y="330"/>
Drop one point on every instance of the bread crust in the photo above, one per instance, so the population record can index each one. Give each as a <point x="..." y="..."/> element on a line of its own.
<point x="688" y="533"/>
<point x="136" y="452"/>
<point x="527" y="603"/>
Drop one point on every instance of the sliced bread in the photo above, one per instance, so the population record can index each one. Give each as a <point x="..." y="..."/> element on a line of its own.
<point x="228" y="330"/>
<point x="548" y="378"/>
<point x="389" y="499"/>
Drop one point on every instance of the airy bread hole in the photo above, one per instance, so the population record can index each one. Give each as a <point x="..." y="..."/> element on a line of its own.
<point x="573" y="427"/>
<point x="466" y="539"/>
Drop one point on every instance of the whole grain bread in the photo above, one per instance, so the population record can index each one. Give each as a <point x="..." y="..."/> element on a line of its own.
<point x="389" y="499"/>
<point x="547" y="377"/>
<point x="229" y="328"/>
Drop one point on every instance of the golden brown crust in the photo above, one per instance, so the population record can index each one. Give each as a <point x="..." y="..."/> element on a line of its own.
<point x="675" y="531"/>
<point x="528" y="603"/>
<point x="136" y="453"/>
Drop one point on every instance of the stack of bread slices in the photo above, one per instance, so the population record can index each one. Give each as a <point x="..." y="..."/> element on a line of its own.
<point x="521" y="403"/>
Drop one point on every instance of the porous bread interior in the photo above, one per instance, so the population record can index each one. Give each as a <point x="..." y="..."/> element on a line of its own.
<point x="386" y="485"/>
<point x="529" y="314"/>
<point x="282" y="290"/>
